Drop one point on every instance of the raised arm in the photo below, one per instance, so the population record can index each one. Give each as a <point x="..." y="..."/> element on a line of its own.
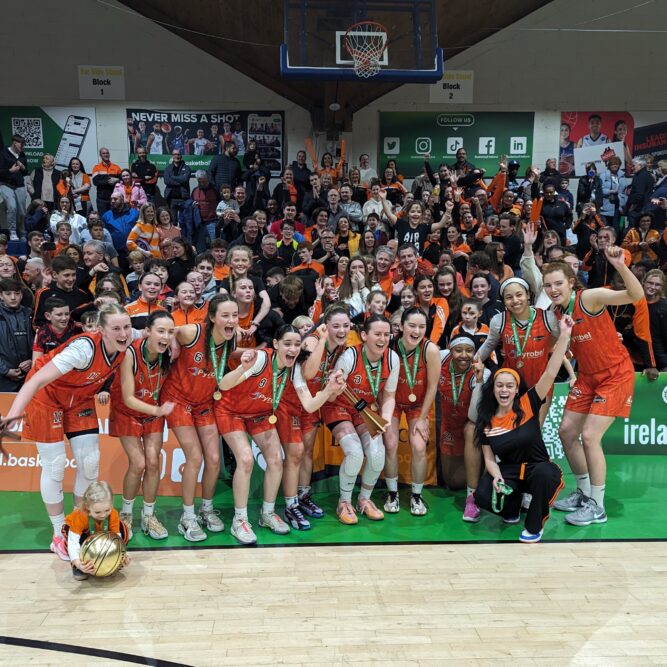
<point x="598" y="297"/>
<point x="386" y="207"/>
<point x="545" y="382"/>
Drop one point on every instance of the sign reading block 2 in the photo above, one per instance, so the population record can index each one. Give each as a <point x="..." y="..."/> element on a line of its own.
<point x="407" y="136"/>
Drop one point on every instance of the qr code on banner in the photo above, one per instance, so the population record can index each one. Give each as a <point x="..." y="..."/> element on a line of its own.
<point x="30" y="129"/>
<point x="550" y="428"/>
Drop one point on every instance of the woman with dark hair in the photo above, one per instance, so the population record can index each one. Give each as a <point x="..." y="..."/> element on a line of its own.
<point x="347" y="241"/>
<point x="181" y="262"/>
<point x="137" y="418"/>
<point x="480" y="286"/>
<point x="589" y="189"/>
<point x="193" y="386"/>
<point x="496" y="253"/>
<point x="448" y="288"/>
<point x="654" y="289"/>
<point x="271" y="395"/>
<point x="355" y="286"/>
<point x="167" y="231"/>
<point x="324" y="345"/>
<point x="417" y="385"/>
<point x="359" y="192"/>
<point x="436" y="309"/>
<point x="621" y="134"/>
<point x="9" y="269"/>
<point x="80" y="185"/>
<point x="130" y="189"/>
<point x="368" y="244"/>
<point x="508" y="430"/>
<point x="392" y="164"/>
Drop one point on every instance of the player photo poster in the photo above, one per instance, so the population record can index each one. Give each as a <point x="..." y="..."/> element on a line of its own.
<point x="597" y="136"/>
<point x="65" y="132"/>
<point x="200" y="135"/>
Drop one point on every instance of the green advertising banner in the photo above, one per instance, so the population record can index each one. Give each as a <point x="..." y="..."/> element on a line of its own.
<point x="200" y="135"/>
<point x="644" y="432"/>
<point x="65" y="132"/>
<point x="407" y="136"/>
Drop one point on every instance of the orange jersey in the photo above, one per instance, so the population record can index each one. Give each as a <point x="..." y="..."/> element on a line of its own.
<point x="438" y="313"/>
<point x="81" y="523"/>
<point x="594" y="343"/>
<point x="139" y="311"/>
<point x="145" y="383"/>
<point x="329" y="359"/>
<point x="419" y="389"/>
<point x="254" y="396"/>
<point x="535" y="354"/>
<point x="357" y="379"/>
<point x="192" y="316"/>
<point x="191" y="378"/>
<point x="454" y="415"/>
<point x="77" y="385"/>
<point x="221" y="271"/>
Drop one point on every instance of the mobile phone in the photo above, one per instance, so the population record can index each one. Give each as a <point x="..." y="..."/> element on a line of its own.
<point x="74" y="133"/>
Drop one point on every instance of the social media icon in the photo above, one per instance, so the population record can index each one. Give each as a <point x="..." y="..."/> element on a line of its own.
<point x="518" y="145"/>
<point x="487" y="146"/>
<point x="452" y="144"/>
<point x="392" y="145"/>
<point x="422" y="145"/>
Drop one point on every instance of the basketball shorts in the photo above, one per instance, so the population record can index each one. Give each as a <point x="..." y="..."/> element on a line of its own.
<point x="122" y="424"/>
<point x="607" y="393"/>
<point x="411" y="410"/>
<point x="452" y="442"/>
<point x="251" y="424"/>
<point x="289" y="426"/>
<point x="50" y="423"/>
<point x="334" y="413"/>
<point x="310" y="421"/>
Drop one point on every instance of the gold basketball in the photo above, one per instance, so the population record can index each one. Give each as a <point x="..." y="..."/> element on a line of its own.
<point x="106" y="550"/>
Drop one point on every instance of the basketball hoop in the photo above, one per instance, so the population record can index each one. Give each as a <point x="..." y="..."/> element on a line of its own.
<point x="366" y="42"/>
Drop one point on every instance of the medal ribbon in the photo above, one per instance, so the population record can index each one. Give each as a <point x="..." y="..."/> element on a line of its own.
<point x="410" y="377"/>
<point x="515" y="332"/>
<point x="218" y="364"/>
<point x="373" y="380"/>
<point x="329" y="359"/>
<point x="277" y="391"/>
<point x="144" y="356"/>
<point x="456" y="391"/>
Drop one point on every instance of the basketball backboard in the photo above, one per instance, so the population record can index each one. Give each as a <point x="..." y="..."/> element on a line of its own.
<point x="316" y="45"/>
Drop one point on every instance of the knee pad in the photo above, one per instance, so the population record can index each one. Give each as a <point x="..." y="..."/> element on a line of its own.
<point x="354" y="457"/>
<point x="374" y="451"/>
<point x="87" y="454"/>
<point x="53" y="459"/>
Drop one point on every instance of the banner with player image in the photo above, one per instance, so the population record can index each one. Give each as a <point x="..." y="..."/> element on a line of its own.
<point x="64" y="132"/>
<point x="200" y="135"/>
<point x="597" y="136"/>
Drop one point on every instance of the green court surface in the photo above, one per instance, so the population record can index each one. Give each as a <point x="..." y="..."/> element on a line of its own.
<point x="634" y="502"/>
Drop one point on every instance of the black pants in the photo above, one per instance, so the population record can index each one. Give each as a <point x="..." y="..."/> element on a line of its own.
<point x="542" y="480"/>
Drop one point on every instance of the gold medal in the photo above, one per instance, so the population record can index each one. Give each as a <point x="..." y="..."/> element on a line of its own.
<point x="412" y="398"/>
<point x="217" y="395"/>
<point x="374" y="407"/>
<point x="519" y="364"/>
<point x="272" y="419"/>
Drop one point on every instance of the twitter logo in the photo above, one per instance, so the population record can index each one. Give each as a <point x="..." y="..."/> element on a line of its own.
<point x="392" y="145"/>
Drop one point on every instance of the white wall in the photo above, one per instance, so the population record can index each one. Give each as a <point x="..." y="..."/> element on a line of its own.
<point x="518" y="69"/>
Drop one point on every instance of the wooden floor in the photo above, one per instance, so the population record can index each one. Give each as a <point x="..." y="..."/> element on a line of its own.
<point x="413" y="606"/>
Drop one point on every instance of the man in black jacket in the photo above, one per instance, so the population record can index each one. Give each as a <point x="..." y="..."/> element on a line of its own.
<point x="226" y="168"/>
<point x="556" y="213"/>
<point x="146" y="172"/>
<point x="640" y="191"/>
<point x="176" y="183"/>
<point x="13" y="169"/>
<point x="16" y="336"/>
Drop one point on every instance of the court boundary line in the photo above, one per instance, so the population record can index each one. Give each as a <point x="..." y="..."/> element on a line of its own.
<point x="87" y="650"/>
<point x="301" y="545"/>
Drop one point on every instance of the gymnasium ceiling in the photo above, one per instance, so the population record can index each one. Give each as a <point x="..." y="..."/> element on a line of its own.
<point x="460" y="24"/>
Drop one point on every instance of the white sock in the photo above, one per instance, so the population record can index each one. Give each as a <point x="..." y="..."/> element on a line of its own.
<point x="188" y="511"/>
<point x="470" y="491"/>
<point x="241" y="513"/>
<point x="392" y="484"/>
<point x="584" y="484"/>
<point x="597" y="494"/>
<point x="128" y="506"/>
<point x="206" y="505"/>
<point x="365" y="494"/>
<point x="417" y="489"/>
<point x="148" y="509"/>
<point x="58" y="522"/>
<point x="290" y="500"/>
<point x="268" y="508"/>
<point x="303" y="491"/>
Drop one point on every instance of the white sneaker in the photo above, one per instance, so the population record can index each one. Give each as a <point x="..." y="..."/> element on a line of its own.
<point x="274" y="523"/>
<point x="392" y="504"/>
<point x="417" y="505"/>
<point x="212" y="520"/>
<point x="126" y="518"/>
<point x="242" y="531"/>
<point x="191" y="529"/>
<point x="13" y="236"/>
<point x="152" y="527"/>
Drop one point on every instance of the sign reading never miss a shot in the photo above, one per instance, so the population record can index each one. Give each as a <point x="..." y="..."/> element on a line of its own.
<point x="455" y="87"/>
<point x="101" y="82"/>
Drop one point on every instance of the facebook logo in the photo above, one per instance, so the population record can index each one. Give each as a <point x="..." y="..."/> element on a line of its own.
<point x="452" y="144"/>
<point x="518" y="145"/>
<point x="487" y="145"/>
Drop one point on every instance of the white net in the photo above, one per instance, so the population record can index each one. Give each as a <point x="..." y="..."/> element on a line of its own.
<point x="366" y="43"/>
